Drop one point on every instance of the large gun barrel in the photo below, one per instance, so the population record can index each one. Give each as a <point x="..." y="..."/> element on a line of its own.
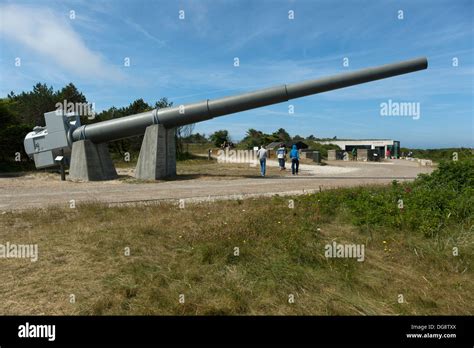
<point x="47" y="145"/>
<point x="186" y="114"/>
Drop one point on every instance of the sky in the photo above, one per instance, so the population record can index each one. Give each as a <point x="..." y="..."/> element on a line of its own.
<point x="193" y="58"/>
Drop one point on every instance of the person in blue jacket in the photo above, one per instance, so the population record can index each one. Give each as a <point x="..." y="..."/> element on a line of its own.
<point x="295" y="160"/>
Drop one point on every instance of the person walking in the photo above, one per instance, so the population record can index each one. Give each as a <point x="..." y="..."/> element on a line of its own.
<point x="281" y="154"/>
<point x="295" y="160"/>
<point x="387" y="154"/>
<point x="262" y="157"/>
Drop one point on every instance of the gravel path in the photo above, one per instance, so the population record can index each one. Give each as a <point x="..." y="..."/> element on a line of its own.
<point x="40" y="190"/>
<point x="317" y="170"/>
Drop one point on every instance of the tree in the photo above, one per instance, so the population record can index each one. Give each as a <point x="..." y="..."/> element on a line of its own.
<point x="31" y="106"/>
<point x="297" y="138"/>
<point x="12" y="133"/>
<point x="196" y="139"/>
<point x="163" y="103"/>
<point x="219" y="137"/>
<point x="105" y="115"/>
<point x="70" y="94"/>
<point x="311" y="137"/>
<point x="6" y="115"/>
<point x="253" y="138"/>
<point x="137" y="107"/>
<point x="282" y="135"/>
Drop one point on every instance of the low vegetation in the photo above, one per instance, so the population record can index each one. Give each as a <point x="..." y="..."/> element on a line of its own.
<point x="322" y="148"/>
<point x="438" y="155"/>
<point x="418" y="240"/>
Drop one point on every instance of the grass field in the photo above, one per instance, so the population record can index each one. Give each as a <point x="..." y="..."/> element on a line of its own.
<point x="191" y="251"/>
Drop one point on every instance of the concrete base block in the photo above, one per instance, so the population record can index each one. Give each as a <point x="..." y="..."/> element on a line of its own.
<point x="362" y="155"/>
<point x="332" y="155"/>
<point x="157" y="158"/>
<point x="312" y="155"/>
<point x="91" y="162"/>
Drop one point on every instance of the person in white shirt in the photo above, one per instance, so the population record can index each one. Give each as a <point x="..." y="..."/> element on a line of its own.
<point x="281" y="154"/>
<point x="262" y="157"/>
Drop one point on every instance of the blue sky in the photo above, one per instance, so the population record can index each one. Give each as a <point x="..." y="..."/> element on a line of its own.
<point x="193" y="59"/>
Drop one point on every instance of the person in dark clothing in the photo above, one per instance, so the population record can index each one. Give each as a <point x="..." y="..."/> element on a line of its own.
<point x="295" y="160"/>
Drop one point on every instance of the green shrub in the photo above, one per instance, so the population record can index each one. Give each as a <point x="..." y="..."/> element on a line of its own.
<point x="456" y="175"/>
<point x="428" y="205"/>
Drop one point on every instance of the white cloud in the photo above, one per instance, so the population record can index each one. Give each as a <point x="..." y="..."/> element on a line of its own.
<point x="43" y="32"/>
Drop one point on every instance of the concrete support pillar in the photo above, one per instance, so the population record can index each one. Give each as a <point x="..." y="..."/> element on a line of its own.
<point x="91" y="162"/>
<point x="157" y="158"/>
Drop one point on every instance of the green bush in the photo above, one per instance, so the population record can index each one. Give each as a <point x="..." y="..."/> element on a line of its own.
<point x="428" y="205"/>
<point x="456" y="175"/>
<point x="322" y="148"/>
<point x="439" y="155"/>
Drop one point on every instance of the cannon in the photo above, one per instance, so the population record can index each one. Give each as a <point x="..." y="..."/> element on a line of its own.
<point x="84" y="147"/>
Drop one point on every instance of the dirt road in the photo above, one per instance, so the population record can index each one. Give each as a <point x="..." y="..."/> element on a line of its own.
<point x="40" y="190"/>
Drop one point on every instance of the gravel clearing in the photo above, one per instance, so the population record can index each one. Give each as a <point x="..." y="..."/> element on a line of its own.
<point x="39" y="190"/>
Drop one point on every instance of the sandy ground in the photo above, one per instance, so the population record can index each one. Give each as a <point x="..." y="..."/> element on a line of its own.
<point x="38" y="190"/>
